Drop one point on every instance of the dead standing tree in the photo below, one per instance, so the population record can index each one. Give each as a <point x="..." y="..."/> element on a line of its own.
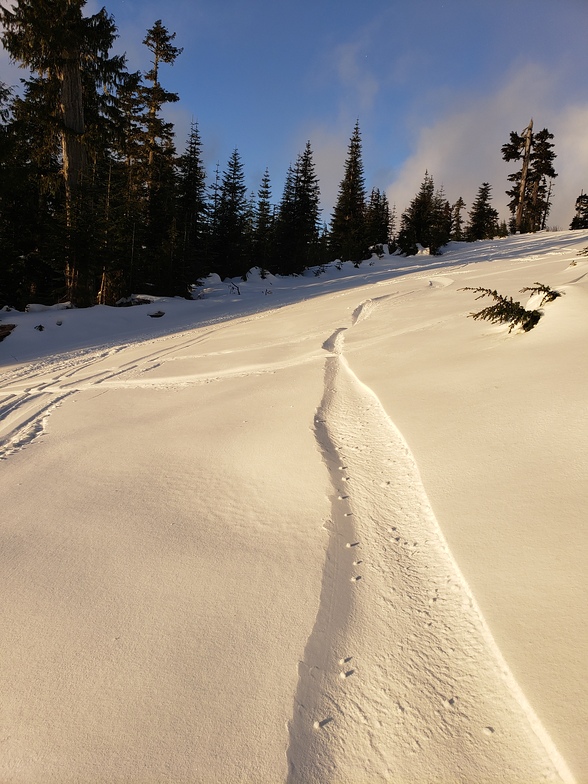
<point x="527" y="136"/>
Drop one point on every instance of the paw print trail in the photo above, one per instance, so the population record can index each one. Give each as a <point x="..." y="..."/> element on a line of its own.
<point x="401" y="679"/>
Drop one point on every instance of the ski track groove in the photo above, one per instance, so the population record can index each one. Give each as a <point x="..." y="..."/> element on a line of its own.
<point x="440" y="703"/>
<point x="25" y="408"/>
<point x="23" y="415"/>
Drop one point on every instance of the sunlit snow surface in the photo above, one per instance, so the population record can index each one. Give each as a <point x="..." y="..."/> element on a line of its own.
<point x="313" y="529"/>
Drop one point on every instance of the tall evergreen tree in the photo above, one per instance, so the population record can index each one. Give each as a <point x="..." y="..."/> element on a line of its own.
<point x="161" y="231"/>
<point x="426" y="221"/>
<point x="529" y="197"/>
<point x="229" y="252"/>
<point x="263" y="234"/>
<point x="159" y="42"/>
<point x="348" y="239"/>
<point x="457" y="232"/>
<point x="483" y="223"/>
<point x="298" y="244"/>
<point x="580" y="219"/>
<point x="191" y="211"/>
<point x="378" y="219"/>
<point x="70" y="55"/>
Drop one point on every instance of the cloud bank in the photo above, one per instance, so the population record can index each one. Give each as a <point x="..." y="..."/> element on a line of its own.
<point x="462" y="148"/>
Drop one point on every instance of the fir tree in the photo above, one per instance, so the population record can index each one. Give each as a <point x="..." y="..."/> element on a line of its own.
<point x="483" y="223"/>
<point x="378" y="220"/>
<point x="349" y="240"/>
<point x="298" y="244"/>
<point x="426" y="221"/>
<point x="69" y="54"/>
<point x="263" y="232"/>
<point x="530" y="195"/>
<point x="228" y="246"/>
<point x="457" y="232"/>
<point x="580" y="219"/>
<point x="191" y="211"/>
<point x="161" y="239"/>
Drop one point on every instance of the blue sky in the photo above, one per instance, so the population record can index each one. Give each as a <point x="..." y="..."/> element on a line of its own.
<point x="435" y="85"/>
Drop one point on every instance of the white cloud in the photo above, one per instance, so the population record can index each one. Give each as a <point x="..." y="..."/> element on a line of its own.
<point x="462" y="149"/>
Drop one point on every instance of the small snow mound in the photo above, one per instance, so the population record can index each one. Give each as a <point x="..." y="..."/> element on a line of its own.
<point x="36" y="308"/>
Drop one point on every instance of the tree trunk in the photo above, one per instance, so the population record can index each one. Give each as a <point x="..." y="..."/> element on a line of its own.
<point x="74" y="169"/>
<point x="528" y="135"/>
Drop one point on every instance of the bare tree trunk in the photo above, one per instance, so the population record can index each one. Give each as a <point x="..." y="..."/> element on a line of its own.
<point x="528" y="135"/>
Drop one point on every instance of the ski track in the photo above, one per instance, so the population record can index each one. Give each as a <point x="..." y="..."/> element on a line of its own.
<point x="439" y="704"/>
<point x="32" y="392"/>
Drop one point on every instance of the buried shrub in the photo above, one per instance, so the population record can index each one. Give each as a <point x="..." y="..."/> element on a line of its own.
<point x="504" y="311"/>
<point x="540" y="288"/>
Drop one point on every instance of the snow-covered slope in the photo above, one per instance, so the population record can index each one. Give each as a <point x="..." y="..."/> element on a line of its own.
<point x="316" y="529"/>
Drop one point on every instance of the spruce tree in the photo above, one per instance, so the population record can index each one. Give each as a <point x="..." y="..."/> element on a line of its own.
<point x="483" y="223"/>
<point x="348" y="239"/>
<point x="580" y="219"/>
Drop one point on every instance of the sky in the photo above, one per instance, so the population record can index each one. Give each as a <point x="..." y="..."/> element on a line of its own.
<point x="436" y="86"/>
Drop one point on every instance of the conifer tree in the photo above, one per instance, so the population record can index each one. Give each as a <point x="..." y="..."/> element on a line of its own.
<point x="298" y="244"/>
<point x="159" y="42"/>
<point x="378" y="220"/>
<point x="69" y="54"/>
<point x="426" y="221"/>
<point x="191" y="210"/>
<point x="229" y="254"/>
<point x="129" y="206"/>
<point x="263" y="233"/>
<point x="161" y="232"/>
<point x="457" y="232"/>
<point x="483" y="223"/>
<point x="529" y="197"/>
<point x="580" y="219"/>
<point x="348" y="240"/>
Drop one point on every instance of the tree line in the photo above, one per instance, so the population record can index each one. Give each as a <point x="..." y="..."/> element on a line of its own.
<point x="96" y="202"/>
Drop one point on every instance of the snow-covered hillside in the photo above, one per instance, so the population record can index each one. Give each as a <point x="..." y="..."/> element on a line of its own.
<point x="316" y="529"/>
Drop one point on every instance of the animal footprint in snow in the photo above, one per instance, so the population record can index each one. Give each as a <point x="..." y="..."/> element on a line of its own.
<point x="320" y="724"/>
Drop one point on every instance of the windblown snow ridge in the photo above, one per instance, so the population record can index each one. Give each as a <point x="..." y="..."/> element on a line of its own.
<point x="401" y="679"/>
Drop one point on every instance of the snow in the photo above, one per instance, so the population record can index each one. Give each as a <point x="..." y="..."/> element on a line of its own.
<point x="324" y="528"/>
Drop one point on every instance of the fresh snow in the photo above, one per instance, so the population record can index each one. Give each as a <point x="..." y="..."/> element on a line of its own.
<point x="313" y="529"/>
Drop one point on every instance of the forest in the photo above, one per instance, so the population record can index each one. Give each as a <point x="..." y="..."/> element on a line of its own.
<point x="96" y="203"/>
